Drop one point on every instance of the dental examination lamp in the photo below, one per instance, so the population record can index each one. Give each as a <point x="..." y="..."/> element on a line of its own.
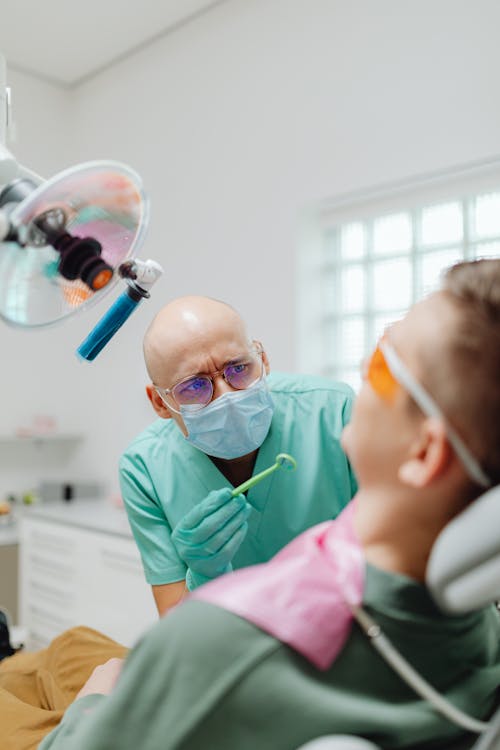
<point x="67" y="241"/>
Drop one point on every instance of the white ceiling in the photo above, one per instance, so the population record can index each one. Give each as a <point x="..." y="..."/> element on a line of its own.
<point x="67" y="41"/>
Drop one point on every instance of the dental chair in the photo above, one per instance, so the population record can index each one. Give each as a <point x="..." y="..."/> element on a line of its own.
<point x="463" y="574"/>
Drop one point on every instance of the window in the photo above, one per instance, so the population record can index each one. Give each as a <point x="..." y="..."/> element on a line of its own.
<point x="368" y="261"/>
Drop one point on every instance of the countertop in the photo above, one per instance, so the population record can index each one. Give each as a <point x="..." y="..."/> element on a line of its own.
<point x="91" y="514"/>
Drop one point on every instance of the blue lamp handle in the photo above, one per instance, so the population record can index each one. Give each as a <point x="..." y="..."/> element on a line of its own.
<point x="111" y="322"/>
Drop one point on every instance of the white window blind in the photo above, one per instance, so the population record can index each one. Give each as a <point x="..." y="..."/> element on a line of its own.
<point x="365" y="260"/>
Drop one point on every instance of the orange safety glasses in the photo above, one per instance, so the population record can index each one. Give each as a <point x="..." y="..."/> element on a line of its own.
<point x="376" y="371"/>
<point x="386" y="372"/>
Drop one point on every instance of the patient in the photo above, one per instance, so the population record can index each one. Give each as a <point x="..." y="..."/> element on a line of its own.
<point x="269" y="657"/>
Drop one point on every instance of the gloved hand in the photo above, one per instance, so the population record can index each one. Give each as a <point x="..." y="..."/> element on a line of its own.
<point x="208" y="537"/>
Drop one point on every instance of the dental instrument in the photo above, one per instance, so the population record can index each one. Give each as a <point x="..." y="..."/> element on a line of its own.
<point x="283" y="461"/>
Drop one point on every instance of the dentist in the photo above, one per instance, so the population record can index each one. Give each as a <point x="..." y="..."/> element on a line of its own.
<point x="222" y="418"/>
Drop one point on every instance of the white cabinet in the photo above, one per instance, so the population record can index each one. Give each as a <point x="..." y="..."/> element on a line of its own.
<point x="75" y="576"/>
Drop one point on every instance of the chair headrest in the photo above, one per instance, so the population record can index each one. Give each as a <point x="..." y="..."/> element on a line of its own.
<point x="463" y="572"/>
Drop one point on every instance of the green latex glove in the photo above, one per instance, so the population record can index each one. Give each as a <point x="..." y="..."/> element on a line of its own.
<point x="208" y="537"/>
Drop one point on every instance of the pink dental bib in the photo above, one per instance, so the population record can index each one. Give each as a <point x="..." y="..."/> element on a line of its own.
<point x="302" y="595"/>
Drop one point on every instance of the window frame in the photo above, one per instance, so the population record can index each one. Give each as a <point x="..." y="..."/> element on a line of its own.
<point x="319" y="329"/>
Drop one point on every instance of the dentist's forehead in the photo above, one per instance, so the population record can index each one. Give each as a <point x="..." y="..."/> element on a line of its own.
<point x="190" y="328"/>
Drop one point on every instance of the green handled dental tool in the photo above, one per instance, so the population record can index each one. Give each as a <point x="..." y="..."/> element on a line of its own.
<point x="283" y="460"/>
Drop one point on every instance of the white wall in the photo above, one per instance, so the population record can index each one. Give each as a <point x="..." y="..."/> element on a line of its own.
<point x="34" y="366"/>
<point x="239" y="121"/>
<point x="43" y="136"/>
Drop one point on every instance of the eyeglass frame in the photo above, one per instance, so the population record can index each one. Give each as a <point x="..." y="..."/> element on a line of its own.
<point x="256" y="348"/>
<point x="429" y="407"/>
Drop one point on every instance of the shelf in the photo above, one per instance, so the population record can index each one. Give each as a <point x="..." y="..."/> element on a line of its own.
<point x="15" y="441"/>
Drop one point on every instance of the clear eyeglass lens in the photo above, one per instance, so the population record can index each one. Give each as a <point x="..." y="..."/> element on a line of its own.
<point x="241" y="375"/>
<point x="196" y="390"/>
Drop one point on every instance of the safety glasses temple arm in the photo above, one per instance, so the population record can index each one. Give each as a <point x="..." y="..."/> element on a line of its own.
<point x="431" y="409"/>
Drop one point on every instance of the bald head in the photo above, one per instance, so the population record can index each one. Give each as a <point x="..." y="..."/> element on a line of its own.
<point x="192" y="334"/>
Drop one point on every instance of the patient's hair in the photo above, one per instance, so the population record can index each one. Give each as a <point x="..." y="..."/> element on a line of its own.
<point x="469" y="391"/>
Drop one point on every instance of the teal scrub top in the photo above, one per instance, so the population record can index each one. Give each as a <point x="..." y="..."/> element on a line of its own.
<point x="163" y="477"/>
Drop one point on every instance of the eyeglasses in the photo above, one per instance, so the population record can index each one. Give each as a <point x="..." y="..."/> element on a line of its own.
<point x="196" y="391"/>
<point x="386" y="372"/>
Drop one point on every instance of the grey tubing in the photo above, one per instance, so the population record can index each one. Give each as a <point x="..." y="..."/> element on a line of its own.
<point x="412" y="677"/>
<point x="490" y="740"/>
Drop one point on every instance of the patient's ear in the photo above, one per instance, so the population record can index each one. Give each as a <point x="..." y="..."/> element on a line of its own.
<point x="157" y="402"/>
<point x="429" y="455"/>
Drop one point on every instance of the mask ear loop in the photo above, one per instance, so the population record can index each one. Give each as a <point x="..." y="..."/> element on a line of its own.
<point x="431" y="409"/>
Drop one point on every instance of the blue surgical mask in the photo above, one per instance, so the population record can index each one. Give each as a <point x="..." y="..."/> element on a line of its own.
<point x="233" y="425"/>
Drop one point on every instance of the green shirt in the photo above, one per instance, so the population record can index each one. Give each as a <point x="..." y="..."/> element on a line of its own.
<point x="163" y="477"/>
<point x="205" y="678"/>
